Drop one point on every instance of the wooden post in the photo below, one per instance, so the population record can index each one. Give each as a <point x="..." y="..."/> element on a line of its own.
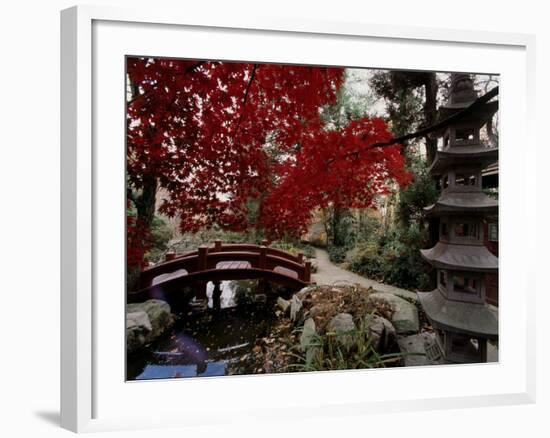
<point x="201" y="266"/>
<point x="216" y="296"/>
<point x="217" y="245"/>
<point x="169" y="256"/>
<point x="263" y="257"/>
<point x="300" y="257"/>
<point x="265" y="242"/>
<point x="307" y="272"/>
<point x="203" y="256"/>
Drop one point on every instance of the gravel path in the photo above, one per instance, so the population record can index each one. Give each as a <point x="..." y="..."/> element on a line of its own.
<point x="329" y="273"/>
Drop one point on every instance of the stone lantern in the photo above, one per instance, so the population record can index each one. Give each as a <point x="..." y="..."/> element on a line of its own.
<point x="457" y="308"/>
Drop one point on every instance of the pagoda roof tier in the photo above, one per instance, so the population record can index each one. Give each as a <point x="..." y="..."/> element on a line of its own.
<point x="460" y="257"/>
<point x="472" y="203"/>
<point x="478" y="320"/>
<point x="463" y="155"/>
<point x="481" y="115"/>
<point x="483" y="112"/>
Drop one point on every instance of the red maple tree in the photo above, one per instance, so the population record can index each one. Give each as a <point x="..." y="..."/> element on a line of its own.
<point x="342" y="168"/>
<point x="217" y="134"/>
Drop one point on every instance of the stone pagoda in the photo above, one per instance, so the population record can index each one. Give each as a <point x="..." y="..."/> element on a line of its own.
<point x="457" y="308"/>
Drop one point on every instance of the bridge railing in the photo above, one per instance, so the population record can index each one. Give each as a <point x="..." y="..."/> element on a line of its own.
<point x="207" y="258"/>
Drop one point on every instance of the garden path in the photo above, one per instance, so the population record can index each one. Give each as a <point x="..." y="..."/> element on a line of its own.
<point x="329" y="273"/>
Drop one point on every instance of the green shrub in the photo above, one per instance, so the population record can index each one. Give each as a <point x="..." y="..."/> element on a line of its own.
<point x="366" y="259"/>
<point x="294" y="246"/>
<point x="161" y="234"/>
<point x="337" y="254"/>
<point x="393" y="258"/>
<point x="417" y="195"/>
<point x="326" y="352"/>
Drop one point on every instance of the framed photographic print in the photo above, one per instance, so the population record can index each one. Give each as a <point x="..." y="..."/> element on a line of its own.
<point x="257" y="208"/>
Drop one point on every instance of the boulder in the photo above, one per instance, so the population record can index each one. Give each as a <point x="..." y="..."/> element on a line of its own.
<point x="304" y="292"/>
<point x="296" y="310"/>
<point x="158" y="312"/>
<point x="283" y="304"/>
<point x="341" y="324"/>
<point x="308" y="333"/>
<point x="380" y="332"/>
<point x="405" y="315"/>
<point x="307" y="339"/>
<point x="140" y="330"/>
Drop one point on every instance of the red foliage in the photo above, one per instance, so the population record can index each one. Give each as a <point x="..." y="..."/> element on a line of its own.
<point x="334" y="167"/>
<point x="203" y="129"/>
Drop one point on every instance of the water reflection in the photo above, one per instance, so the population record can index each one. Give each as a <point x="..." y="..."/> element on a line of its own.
<point x="205" y="343"/>
<point x="177" y="371"/>
<point x="232" y="292"/>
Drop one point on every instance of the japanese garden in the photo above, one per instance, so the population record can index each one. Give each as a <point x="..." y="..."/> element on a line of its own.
<point x="293" y="218"/>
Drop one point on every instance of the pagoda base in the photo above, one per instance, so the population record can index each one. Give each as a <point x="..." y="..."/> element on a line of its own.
<point x="457" y="348"/>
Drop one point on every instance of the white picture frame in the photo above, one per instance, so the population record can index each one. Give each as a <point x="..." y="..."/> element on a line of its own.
<point x="91" y="392"/>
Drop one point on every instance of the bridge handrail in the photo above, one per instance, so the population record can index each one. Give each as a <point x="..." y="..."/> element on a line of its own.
<point x="228" y="247"/>
<point x="206" y="258"/>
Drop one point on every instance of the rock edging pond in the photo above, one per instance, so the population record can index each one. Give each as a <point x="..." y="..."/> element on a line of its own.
<point x="369" y="326"/>
<point x="146" y="322"/>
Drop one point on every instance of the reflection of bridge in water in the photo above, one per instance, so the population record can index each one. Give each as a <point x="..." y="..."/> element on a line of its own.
<point x="221" y="262"/>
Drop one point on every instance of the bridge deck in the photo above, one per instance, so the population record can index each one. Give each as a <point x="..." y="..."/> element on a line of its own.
<point x="233" y="265"/>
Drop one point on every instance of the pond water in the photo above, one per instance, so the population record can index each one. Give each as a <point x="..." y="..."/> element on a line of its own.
<point x="205" y="342"/>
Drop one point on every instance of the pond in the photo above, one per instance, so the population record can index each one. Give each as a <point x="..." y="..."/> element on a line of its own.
<point x="205" y="342"/>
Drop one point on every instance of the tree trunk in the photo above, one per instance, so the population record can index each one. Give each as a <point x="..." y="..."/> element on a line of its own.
<point x="338" y="238"/>
<point x="430" y="114"/>
<point x="145" y="201"/>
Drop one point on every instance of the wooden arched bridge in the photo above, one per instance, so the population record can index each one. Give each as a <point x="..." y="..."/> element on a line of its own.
<point x="222" y="262"/>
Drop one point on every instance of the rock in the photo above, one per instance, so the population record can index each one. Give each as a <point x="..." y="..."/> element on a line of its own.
<point x="283" y="304"/>
<point x="308" y="333"/>
<point x="314" y="267"/>
<point x="139" y="332"/>
<point x="420" y="349"/>
<point x="341" y="324"/>
<point x="303" y="293"/>
<point x="138" y="328"/>
<point x="381" y="333"/>
<point x="407" y="295"/>
<point x="296" y="310"/>
<point x="319" y="310"/>
<point x="307" y="340"/>
<point x="259" y="298"/>
<point x="405" y="315"/>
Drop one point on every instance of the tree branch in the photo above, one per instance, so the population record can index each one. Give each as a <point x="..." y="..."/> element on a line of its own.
<point x="245" y="97"/>
<point x="423" y="132"/>
<point x="193" y="67"/>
